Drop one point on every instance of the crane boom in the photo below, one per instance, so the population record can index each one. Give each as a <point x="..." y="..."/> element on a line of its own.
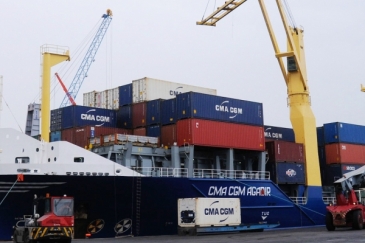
<point x="81" y="73"/>
<point x="65" y="89"/>
<point x="301" y="115"/>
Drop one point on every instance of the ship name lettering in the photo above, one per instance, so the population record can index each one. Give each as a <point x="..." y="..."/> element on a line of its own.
<point x="258" y="191"/>
<point x="215" y="191"/>
<point x="236" y="191"/>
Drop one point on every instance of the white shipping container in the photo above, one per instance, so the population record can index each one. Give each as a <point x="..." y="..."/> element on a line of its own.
<point x="147" y="89"/>
<point x="104" y="99"/>
<point x="206" y="212"/>
<point x="89" y="99"/>
<point x="115" y="99"/>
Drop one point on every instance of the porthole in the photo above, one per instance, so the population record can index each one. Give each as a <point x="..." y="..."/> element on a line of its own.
<point x="52" y="148"/>
<point x="49" y="160"/>
<point x="55" y="159"/>
<point x="37" y="149"/>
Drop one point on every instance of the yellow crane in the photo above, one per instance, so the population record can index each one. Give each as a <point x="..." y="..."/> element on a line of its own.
<point x="295" y="77"/>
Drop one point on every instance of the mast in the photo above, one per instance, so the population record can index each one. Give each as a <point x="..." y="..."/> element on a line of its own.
<point x="52" y="55"/>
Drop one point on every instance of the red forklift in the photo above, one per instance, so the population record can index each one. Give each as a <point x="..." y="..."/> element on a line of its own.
<point x="349" y="209"/>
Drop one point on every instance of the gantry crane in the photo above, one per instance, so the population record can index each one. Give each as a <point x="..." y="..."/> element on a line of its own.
<point x="295" y="77"/>
<point x="81" y="73"/>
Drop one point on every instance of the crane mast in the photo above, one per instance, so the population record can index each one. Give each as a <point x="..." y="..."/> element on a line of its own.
<point x="295" y="77"/>
<point x="81" y="73"/>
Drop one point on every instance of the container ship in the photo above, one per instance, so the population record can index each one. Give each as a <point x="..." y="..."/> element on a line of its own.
<point x="128" y="154"/>
<point x="127" y="165"/>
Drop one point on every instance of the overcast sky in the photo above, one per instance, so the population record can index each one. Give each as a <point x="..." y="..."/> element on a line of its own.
<point x="160" y="39"/>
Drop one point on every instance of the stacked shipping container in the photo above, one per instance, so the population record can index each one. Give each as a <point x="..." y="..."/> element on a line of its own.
<point x="341" y="149"/>
<point x="285" y="161"/>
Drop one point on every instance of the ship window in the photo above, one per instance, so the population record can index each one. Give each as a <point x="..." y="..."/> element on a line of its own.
<point x="79" y="159"/>
<point x="37" y="150"/>
<point x="21" y="160"/>
<point x="23" y="170"/>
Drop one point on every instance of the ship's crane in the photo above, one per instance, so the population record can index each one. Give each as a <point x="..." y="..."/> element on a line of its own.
<point x="65" y="89"/>
<point x="81" y="73"/>
<point x="349" y="210"/>
<point x="295" y="76"/>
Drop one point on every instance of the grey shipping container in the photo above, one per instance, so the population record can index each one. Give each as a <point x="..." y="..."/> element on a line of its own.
<point x="211" y="107"/>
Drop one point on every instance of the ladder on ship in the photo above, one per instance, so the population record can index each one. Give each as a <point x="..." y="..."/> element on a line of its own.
<point x="138" y="204"/>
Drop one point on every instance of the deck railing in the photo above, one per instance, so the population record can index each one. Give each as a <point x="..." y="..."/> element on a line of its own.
<point x="161" y="171"/>
<point x="233" y="174"/>
<point x="328" y="200"/>
<point x="303" y="200"/>
<point x="299" y="200"/>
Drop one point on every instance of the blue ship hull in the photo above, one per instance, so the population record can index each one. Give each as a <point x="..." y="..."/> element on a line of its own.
<point x="150" y="203"/>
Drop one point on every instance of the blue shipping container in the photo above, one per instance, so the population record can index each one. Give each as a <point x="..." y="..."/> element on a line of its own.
<point x="55" y="136"/>
<point x="339" y="132"/>
<point x="291" y="173"/>
<point x="125" y="95"/>
<point x="322" y="156"/>
<point x="153" y="112"/>
<point x="56" y="120"/>
<point x="124" y="117"/>
<point x="279" y="133"/>
<point x="153" y="131"/>
<point x="320" y="136"/>
<point x="77" y="116"/>
<point x="335" y="171"/>
<point x="211" y="107"/>
<point x="168" y="112"/>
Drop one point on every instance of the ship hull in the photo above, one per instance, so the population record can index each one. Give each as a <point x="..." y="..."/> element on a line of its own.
<point x="119" y="205"/>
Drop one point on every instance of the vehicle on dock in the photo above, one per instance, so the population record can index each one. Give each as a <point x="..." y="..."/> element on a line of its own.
<point x="349" y="210"/>
<point x="56" y="224"/>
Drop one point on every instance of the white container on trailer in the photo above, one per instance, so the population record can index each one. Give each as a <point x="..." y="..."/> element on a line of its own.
<point x="147" y="89"/>
<point x="207" y="212"/>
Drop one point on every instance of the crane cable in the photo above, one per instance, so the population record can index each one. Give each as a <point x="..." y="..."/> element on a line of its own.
<point x="289" y="15"/>
<point x="13" y="117"/>
<point x="79" y="50"/>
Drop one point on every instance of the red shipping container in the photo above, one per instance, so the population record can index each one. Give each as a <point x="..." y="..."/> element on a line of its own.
<point x="141" y="131"/>
<point x="220" y="134"/>
<point x="168" y="135"/>
<point x="345" y="153"/>
<point x="80" y="135"/>
<point x="283" y="151"/>
<point x="139" y="114"/>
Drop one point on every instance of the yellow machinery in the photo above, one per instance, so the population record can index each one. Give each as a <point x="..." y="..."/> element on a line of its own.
<point x="52" y="55"/>
<point x="295" y="76"/>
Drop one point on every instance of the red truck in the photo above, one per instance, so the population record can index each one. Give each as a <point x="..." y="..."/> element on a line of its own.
<point x="55" y="225"/>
